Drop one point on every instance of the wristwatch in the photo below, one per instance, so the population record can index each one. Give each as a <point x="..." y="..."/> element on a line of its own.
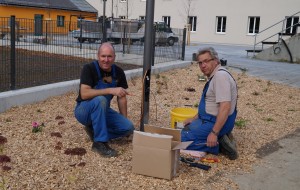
<point x="214" y="132"/>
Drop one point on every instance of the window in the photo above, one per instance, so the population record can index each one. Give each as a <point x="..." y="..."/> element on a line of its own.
<point x="122" y="17"/>
<point x="193" y="22"/>
<point x="60" y="21"/>
<point x="291" y="25"/>
<point x="142" y="17"/>
<point x="253" y="25"/>
<point x="167" y="20"/>
<point x="221" y="24"/>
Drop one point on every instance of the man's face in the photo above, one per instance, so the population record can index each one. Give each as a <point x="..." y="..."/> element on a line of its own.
<point x="207" y="64"/>
<point x="106" y="57"/>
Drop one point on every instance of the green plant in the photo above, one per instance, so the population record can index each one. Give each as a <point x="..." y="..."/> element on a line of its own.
<point x="240" y="123"/>
<point x="8" y="120"/>
<point x="244" y="70"/>
<point x="269" y="119"/>
<point x="37" y="127"/>
<point x="201" y="77"/>
<point x="255" y="93"/>
<point x="2" y="183"/>
<point x="269" y="83"/>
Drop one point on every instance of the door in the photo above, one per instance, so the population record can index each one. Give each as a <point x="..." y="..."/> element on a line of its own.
<point x="38" y="25"/>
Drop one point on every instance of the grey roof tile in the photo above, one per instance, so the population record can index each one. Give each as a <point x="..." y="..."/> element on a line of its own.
<point x="74" y="5"/>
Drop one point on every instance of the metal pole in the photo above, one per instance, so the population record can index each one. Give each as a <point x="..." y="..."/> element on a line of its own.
<point x="80" y="36"/>
<point x="103" y="22"/>
<point x="112" y="9"/>
<point x="127" y="10"/>
<point x="12" y="53"/>
<point x="183" y="44"/>
<point x="148" y="60"/>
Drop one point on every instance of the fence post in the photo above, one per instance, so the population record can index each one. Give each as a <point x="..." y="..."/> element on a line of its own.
<point x="183" y="44"/>
<point x="80" y="36"/>
<point x="12" y="53"/>
<point x="46" y="40"/>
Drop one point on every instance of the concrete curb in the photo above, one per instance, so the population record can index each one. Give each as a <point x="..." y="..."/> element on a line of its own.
<point x="39" y="93"/>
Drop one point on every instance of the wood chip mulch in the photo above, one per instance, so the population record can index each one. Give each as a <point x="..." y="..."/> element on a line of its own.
<point x="60" y="157"/>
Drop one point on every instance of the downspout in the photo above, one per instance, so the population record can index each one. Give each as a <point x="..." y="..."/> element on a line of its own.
<point x="288" y="49"/>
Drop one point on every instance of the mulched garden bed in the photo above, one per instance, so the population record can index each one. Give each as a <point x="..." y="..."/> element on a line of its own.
<point x="59" y="155"/>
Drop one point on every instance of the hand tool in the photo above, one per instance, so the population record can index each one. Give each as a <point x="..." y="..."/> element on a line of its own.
<point x="194" y="164"/>
<point x="210" y="160"/>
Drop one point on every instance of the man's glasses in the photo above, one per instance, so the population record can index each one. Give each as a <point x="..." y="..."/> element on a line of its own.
<point x="205" y="61"/>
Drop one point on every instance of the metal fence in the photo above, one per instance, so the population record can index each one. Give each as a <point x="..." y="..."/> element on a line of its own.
<point x="34" y="53"/>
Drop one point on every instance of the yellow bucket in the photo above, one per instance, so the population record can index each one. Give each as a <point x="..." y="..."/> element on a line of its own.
<point x="180" y="114"/>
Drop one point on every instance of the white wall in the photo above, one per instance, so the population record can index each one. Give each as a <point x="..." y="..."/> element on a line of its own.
<point x="236" y="11"/>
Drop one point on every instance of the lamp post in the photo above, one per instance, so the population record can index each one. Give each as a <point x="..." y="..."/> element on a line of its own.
<point x="103" y="22"/>
<point x="148" y="61"/>
<point x="127" y="10"/>
<point x="112" y="9"/>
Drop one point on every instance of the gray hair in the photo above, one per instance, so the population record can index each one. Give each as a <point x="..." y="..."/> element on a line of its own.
<point x="212" y="52"/>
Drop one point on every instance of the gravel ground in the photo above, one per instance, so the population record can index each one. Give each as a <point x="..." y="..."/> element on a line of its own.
<point x="59" y="157"/>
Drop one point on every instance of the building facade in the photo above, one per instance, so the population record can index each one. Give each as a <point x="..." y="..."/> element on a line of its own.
<point x="44" y="10"/>
<point x="214" y="21"/>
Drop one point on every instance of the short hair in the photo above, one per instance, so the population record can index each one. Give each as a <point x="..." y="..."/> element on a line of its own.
<point x="106" y="44"/>
<point x="212" y="52"/>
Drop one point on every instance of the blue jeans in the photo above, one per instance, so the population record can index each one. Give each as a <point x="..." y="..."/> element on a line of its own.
<point x="107" y="123"/>
<point x="198" y="132"/>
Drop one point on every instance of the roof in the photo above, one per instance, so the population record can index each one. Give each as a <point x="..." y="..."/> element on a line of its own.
<point x="72" y="5"/>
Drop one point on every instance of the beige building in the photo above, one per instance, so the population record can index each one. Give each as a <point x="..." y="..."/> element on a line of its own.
<point x="214" y="21"/>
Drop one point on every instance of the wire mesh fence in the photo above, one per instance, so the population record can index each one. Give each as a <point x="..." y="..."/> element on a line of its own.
<point x="39" y="52"/>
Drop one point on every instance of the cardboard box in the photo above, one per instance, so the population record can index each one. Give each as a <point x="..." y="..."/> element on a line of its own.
<point x="156" y="151"/>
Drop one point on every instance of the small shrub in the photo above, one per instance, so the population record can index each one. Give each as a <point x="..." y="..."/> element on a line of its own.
<point x="259" y="110"/>
<point x="269" y="119"/>
<point x="240" y="123"/>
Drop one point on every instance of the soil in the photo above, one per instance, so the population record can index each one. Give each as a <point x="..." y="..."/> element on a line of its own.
<point x="35" y="68"/>
<point x="267" y="112"/>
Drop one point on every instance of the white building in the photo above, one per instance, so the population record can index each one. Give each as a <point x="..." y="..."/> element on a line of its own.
<point x="213" y="21"/>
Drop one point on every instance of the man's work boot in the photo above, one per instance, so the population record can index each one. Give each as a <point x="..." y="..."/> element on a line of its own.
<point x="89" y="131"/>
<point x="228" y="148"/>
<point x="231" y="137"/>
<point x="104" y="149"/>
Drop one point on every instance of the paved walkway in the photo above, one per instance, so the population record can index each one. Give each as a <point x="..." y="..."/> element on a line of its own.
<point x="236" y="57"/>
<point x="281" y="169"/>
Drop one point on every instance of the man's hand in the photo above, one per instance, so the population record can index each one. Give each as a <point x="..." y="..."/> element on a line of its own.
<point x="212" y="140"/>
<point x="119" y="91"/>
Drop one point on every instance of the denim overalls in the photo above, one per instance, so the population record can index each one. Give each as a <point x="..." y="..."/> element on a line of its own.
<point x="199" y="129"/>
<point x="107" y="123"/>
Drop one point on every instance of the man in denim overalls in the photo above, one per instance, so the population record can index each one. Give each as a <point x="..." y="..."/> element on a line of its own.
<point x="211" y="128"/>
<point x="99" y="82"/>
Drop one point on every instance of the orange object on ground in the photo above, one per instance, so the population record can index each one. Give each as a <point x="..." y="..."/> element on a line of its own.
<point x="210" y="160"/>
